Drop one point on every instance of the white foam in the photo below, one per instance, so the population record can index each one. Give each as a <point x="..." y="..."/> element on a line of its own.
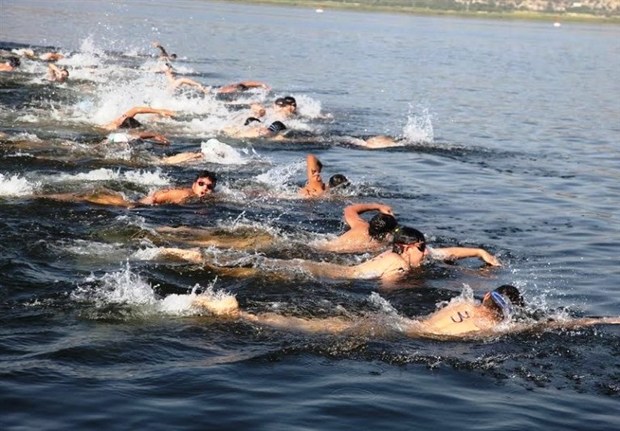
<point x="218" y="152"/>
<point x="16" y="185"/>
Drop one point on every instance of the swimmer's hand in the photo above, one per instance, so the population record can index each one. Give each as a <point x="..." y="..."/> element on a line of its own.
<point x="220" y="306"/>
<point x="385" y="209"/>
<point x="488" y="258"/>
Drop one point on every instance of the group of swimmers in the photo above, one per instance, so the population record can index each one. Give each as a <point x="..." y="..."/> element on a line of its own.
<point x="399" y="249"/>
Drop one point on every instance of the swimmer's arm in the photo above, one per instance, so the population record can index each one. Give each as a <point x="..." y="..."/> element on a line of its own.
<point x="352" y="213"/>
<point x="157" y="137"/>
<point x="192" y="255"/>
<point x="163" y="51"/>
<point x="190" y="83"/>
<point x="161" y="197"/>
<point x="457" y="253"/>
<point x="146" y="110"/>
<point x="254" y="84"/>
<point x="115" y="124"/>
<point x="181" y="158"/>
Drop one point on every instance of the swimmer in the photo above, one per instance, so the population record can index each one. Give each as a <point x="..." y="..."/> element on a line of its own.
<point x="127" y="120"/>
<point x="57" y="74"/>
<point x="255" y="129"/>
<point x="242" y="86"/>
<point x="315" y="186"/>
<point x="163" y="53"/>
<point x="203" y="185"/>
<point x="408" y="252"/>
<point x="458" y="320"/>
<point x="10" y="65"/>
<point x="46" y="56"/>
<point x="363" y="236"/>
<point x="282" y="109"/>
<point x="176" y="83"/>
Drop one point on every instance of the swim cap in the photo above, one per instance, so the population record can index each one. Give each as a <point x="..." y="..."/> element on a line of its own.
<point x="130" y="123"/>
<point x="14" y="62"/>
<point x="338" y="180"/>
<point x="250" y="120"/>
<point x="511" y="293"/>
<point x="276" y="126"/>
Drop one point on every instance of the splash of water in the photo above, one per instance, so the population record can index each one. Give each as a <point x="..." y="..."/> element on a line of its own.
<point x="16" y="185"/>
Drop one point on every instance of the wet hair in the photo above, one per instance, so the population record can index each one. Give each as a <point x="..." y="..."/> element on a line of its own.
<point x="338" y="180"/>
<point x="250" y="120"/>
<point x="206" y="174"/>
<point x="404" y="235"/>
<point x="130" y="123"/>
<point x="380" y="225"/>
<point x="511" y="293"/>
<point x="241" y="87"/>
<point x="14" y="62"/>
<point x="276" y="127"/>
<point x="64" y="69"/>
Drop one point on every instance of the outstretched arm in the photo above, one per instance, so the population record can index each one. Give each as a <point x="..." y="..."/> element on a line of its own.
<point x="352" y="213"/>
<point x="115" y="124"/>
<point x="152" y="136"/>
<point x="458" y="253"/>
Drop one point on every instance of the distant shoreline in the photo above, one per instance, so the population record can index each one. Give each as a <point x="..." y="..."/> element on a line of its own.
<point x="516" y="15"/>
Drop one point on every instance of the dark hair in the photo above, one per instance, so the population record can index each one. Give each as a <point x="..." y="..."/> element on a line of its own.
<point x="290" y="100"/>
<point x="64" y="69"/>
<point x="241" y="87"/>
<point x="512" y="293"/>
<point x="404" y="235"/>
<point x="250" y="120"/>
<point x="337" y="180"/>
<point x="206" y="174"/>
<point x="130" y="123"/>
<point x="380" y="225"/>
<point x="276" y="126"/>
<point x="14" y="62"/>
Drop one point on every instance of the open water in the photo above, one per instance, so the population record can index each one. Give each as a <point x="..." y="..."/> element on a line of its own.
<point x="512" y="133"/>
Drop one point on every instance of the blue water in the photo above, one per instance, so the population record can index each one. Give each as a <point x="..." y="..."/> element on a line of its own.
<point x="513" y="144"/>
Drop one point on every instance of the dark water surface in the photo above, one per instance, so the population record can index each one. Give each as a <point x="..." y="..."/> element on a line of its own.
<point x="513" y="144"/>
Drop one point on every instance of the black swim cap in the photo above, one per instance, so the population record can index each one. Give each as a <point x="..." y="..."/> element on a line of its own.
<point x="14" y="62"/>
<point x="130" y="123"/>
<point x="381" y="224"/>
<point x="250" y="120"/>
<point x="338" y="180"/>
<point x="290" y="100"/>
<point x="276" y="126"/>
<point x="511" y="293"/>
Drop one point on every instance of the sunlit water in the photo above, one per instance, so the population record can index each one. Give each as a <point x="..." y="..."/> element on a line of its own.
<point x="512" y="144"/>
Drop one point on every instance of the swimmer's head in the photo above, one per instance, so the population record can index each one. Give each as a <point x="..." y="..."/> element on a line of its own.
<point x="381" y="225"/>
<point x="404" y="235"/>
<point x="242" y="87"/>
<point x="276" y="127"/>
<point x="339" y="181"/>
<point x="64" y="73"/>
<point x="14" y="62"/>
<point x="204" y="183"/>
<point x="287" y="102"/>
<point x="130" y="123"/>
<point x="502" y="300"/>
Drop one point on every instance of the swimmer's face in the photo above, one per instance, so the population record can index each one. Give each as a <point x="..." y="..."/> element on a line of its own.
<point x="203" y="186"/>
